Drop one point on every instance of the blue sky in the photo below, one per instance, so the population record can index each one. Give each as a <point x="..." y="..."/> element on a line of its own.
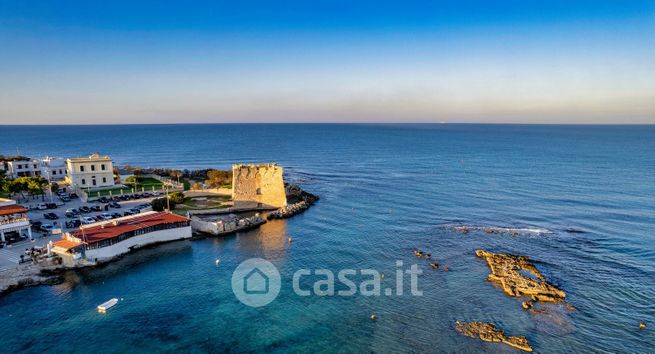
<point x="327" y="61"/>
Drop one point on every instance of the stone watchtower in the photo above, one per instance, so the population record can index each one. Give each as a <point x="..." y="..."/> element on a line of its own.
<point x="258" y="184"/>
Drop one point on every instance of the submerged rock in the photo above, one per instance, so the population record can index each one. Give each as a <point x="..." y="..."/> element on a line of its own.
<point x="489" y="333"/>
<point x="512" y="231"/>
<point x="509" y="272"/>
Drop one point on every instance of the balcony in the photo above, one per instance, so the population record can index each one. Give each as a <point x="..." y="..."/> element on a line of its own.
<point x="15" y="222"/>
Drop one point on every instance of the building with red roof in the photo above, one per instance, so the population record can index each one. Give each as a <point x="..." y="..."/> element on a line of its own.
<point x="14" y="222"/>
<point x="109" y="239"/>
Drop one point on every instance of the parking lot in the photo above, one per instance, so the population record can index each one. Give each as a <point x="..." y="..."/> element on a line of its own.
<point x="10" y="256"/>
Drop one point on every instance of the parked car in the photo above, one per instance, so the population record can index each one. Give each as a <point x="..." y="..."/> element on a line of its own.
<point x="73" y="210"/>
<point x="105" y="216"/>
<point x="73" y="223"/>
<point x="114" y="205"/>
<point x="135" y="210"/>
<point x="87" y="220"/>
<point x="68" y="214"/>
<point x="85" y="209"/>
<point x="128" y="213"/>
<point x="36" y="225"/>
<point x="41" y="206"/>
<point x="47" y="228"/>
<point x="116" y="215"/>
<point x="51" y="216"/>
<point x="73" y="196"/>
<point x="65" y="198"/>
<point x="96" y="208"/>
<point x="51" y="205"/>
<point x="103" y="200"/>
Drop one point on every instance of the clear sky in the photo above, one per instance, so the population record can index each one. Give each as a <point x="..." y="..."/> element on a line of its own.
<point x="521" y="61"/>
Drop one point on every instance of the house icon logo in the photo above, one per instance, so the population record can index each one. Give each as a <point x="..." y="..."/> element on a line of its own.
<point x="256" y="282"/>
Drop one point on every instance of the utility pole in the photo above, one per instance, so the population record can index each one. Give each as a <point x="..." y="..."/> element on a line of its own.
<point x="168" y="201"/>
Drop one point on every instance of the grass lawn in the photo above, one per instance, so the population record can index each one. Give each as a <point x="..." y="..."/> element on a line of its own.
<point x="146" y="182"/>
<point x="200" y="203"/>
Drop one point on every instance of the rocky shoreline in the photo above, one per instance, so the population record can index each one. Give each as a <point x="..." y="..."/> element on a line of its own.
<point x="29" y="275"/>
<point x="300" y="201"/>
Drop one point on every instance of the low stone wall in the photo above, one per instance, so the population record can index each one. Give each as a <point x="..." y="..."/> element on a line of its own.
<point x="230" y="210"/>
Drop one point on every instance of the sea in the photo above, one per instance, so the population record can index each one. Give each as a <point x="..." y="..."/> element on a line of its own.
<point x="581" y="196"/>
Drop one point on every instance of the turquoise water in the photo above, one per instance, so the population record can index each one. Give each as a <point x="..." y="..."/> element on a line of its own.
<point x="385" y="189"/>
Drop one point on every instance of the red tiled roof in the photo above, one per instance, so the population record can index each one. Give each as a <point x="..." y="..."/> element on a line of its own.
<point x="66" y="244"/>
<point x="12" y="209"/>
<point x="99" y="233"/>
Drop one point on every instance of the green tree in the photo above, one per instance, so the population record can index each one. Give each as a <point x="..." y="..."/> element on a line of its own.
<point x="160" y="204"/>
<point x="217" y="178"/>
<point x="34" y="188"/>
<point x="177" y="197"/>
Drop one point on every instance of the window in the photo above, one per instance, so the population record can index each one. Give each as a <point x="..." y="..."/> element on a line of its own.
<point x="102" y="167"/>
<point x="104" y="179"/>
<point x="81" y="168"/>
<point x="259" y="191"/>
<point x="93" y="167"/>
<point x="54" y="172"/>
<point x="94" y="182"/>
<point x="83" y="181"/>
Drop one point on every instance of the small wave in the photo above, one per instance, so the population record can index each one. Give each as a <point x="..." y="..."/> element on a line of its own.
<point x="514" y="231"/>
<point x="572" y="230"/>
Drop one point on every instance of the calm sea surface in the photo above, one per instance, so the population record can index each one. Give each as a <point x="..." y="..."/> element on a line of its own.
<point x="385" y="189"/>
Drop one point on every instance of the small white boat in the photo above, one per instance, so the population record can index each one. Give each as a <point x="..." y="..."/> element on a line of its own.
<point x="102" y="308"/>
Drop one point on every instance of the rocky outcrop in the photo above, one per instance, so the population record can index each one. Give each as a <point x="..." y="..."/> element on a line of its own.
<point x="27" y="275"/>
<point x="300" y="200"/>
<point x="288" y="211"/>
<point x="489" y="333"/>
<point x="510" y="273"/>
<point x="295" y="194"/>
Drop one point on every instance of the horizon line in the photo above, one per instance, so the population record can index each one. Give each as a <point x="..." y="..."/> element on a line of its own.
<point x="326" y="123"/>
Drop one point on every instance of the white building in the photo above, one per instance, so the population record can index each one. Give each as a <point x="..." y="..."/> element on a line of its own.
<point x="107" y="240"/>
<point x="94" y="171"/>
<point x="22" y="168"/>
<point x="53" y="168"/>
<point x="13" y="220"/>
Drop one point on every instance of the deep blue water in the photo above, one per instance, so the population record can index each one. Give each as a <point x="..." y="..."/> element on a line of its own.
<point x="385" y="189"/>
